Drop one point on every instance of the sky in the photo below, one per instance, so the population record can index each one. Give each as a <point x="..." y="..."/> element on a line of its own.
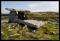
<point x="33" y="6"/>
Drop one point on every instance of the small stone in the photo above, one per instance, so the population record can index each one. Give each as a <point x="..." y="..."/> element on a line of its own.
<point x="2" y="33"/>
<point x="10" y="29"/>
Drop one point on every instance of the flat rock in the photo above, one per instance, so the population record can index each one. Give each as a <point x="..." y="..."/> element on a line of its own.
<point x="35" y="22"/>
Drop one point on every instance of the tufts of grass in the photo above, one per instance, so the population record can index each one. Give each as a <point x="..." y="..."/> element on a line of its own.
<point x="46" y="32"/>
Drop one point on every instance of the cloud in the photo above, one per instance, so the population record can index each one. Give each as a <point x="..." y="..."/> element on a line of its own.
<point x="4" y="11"/>
<point x="45" y="6"/>
<point x="34" y="6"/>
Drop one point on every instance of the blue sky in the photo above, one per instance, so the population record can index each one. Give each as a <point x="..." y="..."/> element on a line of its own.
<point x="33" y="6"/>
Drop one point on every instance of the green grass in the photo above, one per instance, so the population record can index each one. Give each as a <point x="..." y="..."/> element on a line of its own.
<point x="40" y="33"/>
<point x="47" y="32"/>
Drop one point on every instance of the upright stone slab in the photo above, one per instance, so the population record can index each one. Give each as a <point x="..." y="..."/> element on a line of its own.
<point x="12" y="16"/>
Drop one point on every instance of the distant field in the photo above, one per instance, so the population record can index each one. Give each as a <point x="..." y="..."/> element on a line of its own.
<point x="40" y="16"/>
<point x="49" y="31"/>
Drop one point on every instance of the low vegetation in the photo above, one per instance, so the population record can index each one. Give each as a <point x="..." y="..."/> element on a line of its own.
<point x="48" y="31"/>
